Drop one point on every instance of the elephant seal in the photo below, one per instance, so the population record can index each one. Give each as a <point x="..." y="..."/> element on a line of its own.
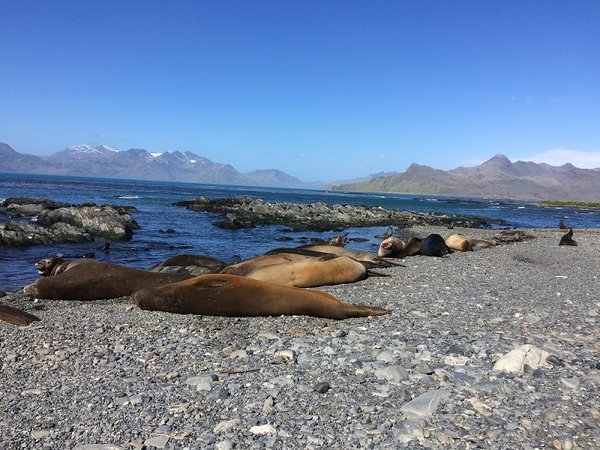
<point x="338" y="241"/>
<point x="97" y="280"/>
<point x="434" y="245"/>
<point x="16" y="316"/>
<point x="567" y="238"/>
<point x="312" y="272"/>
<point x="459" y="242"/>
<point x="244" y="268"/>
<point x="54" y="265"/>
<point x="481" y="244"/>
<point x="388" y="233"/>
<point x="562" y="225"/>
<point x="391" y="247"/>
<point x="230" y="295"/>
<point x="413" y="247"/>
<point x="193" y="264"/>
<point x="358" y="255"/>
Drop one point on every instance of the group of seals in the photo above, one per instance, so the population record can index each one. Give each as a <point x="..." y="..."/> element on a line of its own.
<point x="432" y="245"/>
<point x="268" y="285"/>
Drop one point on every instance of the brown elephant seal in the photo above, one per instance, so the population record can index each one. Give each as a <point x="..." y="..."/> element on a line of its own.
<point x="16" y="316"/>
<point x="459" y="242"/>
<point x="338" y="241"/>
<point x="54" y="265"/>
<point x="230" y="295"/>
<point x="567" y="238"/>
<point x="358" y="255"/>
<point x="391" y="247"/>
<point x="481" y="244"/>
<point x="312" y="272"/>
<point x="434" y="245"/>
<point x="97" y="280"/>
<point x="192" y="264"/>
<point x="388" y="233"/>
<point x="413" y="247"/>
<point x="244" y="268"/>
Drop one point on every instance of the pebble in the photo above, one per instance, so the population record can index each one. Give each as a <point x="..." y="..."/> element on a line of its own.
<point x="322" y="387"/>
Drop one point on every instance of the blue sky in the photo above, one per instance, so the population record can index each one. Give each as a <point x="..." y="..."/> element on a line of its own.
<point x="323" y="90"/>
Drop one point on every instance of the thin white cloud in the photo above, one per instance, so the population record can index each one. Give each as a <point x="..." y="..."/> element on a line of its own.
<point x="560" y="156"/>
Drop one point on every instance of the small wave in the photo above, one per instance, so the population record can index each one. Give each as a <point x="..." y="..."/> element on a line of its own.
<point x="127" y="196"/>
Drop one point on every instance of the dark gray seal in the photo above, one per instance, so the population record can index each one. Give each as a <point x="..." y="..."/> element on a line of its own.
<point x="434" y="245"/>
<point x="567" y="238"/>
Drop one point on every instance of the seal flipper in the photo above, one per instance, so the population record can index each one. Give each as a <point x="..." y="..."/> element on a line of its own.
<point x="16" y="316"/>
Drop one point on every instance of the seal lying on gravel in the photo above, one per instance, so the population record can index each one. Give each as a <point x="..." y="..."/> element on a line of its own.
<point x="413" y="247"/>
<point x="434" y="245"/>
<point x="98" y="280"/>
<point x="459" y="242"/>
<point x="359" y="255"/>
<point x="302" y="271"/>
<point x="392" y="247"/>
<point x="230" y="295"/>
<point x="193" y="264"/>
<point x="567" y="238"/>
<point x="54" y="265"/>
<point x="16" y="316"/>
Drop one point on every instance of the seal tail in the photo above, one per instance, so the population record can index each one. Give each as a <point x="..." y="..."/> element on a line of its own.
<point x="16" y="316"/>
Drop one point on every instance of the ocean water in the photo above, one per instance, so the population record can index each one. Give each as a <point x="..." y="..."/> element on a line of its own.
<point x="195" y="233"/>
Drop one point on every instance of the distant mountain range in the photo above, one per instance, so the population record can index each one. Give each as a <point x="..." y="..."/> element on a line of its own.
<point x="495" y="178"/>
<point x="109" y="162"/>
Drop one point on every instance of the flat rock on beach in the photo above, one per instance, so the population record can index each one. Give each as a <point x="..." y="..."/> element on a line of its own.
<point x="107" y="375"/>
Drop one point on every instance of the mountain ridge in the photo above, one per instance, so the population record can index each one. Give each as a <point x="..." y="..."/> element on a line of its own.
<point x="497" y="177"/>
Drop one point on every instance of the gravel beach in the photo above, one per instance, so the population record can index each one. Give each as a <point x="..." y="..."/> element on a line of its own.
<point x="107" y="375"/>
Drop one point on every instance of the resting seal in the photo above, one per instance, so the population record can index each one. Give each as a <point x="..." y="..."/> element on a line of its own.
<point x="358" y="255"/>
<point x="391" y="247"/>
<point x="413" y="247"/>
<point x="54" y="265"/>
<point x="230" y="295"/>
<point x="16" y="316"/>
<point x="459" y="242"/>
<point x="567" y="238"/>
<point x="434" y="245"/>
<point x="193" y="264"/>
<point x="97" y="280"/>
<point x="309" y="272"/>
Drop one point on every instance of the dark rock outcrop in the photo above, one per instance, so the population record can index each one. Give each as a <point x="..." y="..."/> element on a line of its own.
<point x="245" y="212"/>
<point x="53" y="222"/>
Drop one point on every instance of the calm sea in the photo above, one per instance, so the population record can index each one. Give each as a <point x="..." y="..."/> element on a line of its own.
<point x="194" y="232"/>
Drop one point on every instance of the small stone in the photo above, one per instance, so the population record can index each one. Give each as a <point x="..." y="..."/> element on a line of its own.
<point x="424" y="368"/>
<point x="263" y="429"/>
<point x="555" y="360"/>
<point x="224" y="445"/>
<point x="322" y="388"/>
<point x="425" y="404"/>
<point x="538" y="373"/>
<point x="157" y="441"/>
<point x="226" y="425"/>
<point x="392" y="373"/>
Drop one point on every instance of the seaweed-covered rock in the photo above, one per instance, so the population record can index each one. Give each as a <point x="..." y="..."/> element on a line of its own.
<point x="245" y="212"/>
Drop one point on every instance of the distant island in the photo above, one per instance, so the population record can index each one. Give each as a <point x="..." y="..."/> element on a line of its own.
<point x="495" y="178"/>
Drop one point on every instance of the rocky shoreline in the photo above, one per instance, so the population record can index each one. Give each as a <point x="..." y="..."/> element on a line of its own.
<point x="246" y="212"/>
<point x="106" y="375"/>
<point x="43" y="222"/>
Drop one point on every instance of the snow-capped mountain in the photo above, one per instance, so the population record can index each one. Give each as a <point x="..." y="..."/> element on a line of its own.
<point x="109" y="162"/>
